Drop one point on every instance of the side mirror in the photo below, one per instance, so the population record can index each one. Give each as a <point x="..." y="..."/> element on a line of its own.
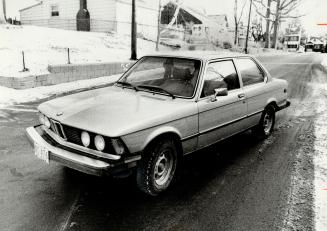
<point x="219" y="92"/>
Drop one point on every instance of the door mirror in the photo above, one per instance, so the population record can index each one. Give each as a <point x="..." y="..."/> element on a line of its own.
<point x="219" y="92"/>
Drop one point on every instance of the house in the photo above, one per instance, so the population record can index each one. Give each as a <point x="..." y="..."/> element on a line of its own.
<point x="222" y="21"/>
<point x="97" y="15"/>
<point x="199" y="27"/>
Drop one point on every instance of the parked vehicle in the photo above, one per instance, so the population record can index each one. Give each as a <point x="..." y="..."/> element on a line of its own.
<point x="315" y="47"/>
<point x="292" y="41"/>
<point x="164" y="107"/>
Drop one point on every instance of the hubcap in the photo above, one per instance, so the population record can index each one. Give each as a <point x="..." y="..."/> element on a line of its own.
<point x="267" y="123"/>
<point x="163" y="167"/>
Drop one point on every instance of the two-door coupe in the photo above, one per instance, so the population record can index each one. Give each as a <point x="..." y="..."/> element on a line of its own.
<point x="164" y="107"/>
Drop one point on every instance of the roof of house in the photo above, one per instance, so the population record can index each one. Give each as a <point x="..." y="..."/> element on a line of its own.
<point x="36" y="4"/>
<point x="201" y="16"/>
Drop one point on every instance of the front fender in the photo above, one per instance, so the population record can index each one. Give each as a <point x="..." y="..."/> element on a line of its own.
<point x="137" y="141"/>
<point x="160" y="131"/>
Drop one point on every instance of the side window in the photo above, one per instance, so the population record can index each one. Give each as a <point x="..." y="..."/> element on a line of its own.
<point x="249" y="70"/>
<point x="220" y="74"/>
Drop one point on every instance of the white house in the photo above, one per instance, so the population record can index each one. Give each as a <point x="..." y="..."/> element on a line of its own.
<point x="222" y="21"/>
<point x="105" y="15"/>
<point x="199" y="27"/>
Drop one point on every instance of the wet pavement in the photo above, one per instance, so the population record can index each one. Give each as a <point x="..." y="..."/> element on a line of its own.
<point x="240" y="184"/>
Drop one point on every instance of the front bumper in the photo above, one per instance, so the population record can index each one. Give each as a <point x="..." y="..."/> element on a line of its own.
<point x="76" y="161"/>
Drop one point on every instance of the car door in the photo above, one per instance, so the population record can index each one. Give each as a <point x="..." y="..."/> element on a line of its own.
<point x="254" y="85"/>
<point x="221" y="116"/>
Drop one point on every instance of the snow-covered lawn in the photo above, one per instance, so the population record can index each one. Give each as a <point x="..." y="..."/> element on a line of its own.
<point x="9" y="96"/>
<point x="44" y="46"/>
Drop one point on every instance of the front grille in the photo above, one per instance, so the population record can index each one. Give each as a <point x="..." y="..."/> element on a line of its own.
<point x="73" y="134"/>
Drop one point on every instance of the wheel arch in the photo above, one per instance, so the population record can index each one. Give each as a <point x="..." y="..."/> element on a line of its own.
<point x="272" y="102"/>
<point x="162" y="133"/>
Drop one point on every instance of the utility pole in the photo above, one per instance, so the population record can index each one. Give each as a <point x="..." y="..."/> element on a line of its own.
<point x="4" y="9"/>
<point x="133" y="34"/>
<point x="3" y="12"/>
<point x="248" y="29"/>
<point x="159" y="20"/>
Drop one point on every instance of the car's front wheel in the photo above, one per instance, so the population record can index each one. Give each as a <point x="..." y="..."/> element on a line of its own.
<point x="157" y="167"/>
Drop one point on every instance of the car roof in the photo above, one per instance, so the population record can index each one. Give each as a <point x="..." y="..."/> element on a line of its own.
<point x="203" y="55"/>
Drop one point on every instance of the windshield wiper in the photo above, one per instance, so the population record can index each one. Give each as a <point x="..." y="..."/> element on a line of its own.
<point x="155" y="88"/>
<point x="126" y="84"/>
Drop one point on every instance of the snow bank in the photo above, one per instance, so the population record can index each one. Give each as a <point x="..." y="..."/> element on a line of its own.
<point x="324" y="62"/>
<point x="9" y="96"/>
<point x="320" y="156"/>
<point x="44" y="46"/>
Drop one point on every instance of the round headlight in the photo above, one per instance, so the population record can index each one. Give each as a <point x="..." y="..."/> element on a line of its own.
<point x="86" y="140"/>
<point x="47" y="122"/>
<point x="118" y="146"/>
<point x="41" y="118"/>
<point x="99" y="142"/>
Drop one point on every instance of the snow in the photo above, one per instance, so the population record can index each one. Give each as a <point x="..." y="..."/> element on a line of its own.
<point x="43" y="46"/>
<point x="9" y="96"/>
<point x="320" y="158"/>
<point x="324" y="62"/>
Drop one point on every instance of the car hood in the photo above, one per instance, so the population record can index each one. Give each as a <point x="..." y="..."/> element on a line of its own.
<point x="113" y="111"/>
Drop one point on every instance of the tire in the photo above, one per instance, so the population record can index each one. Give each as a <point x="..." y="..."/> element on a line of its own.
<point x="267" y="123"/>
<point x="157" y="167"/>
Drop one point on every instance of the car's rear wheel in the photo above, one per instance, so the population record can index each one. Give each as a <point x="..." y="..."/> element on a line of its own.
<point x="267" y="123"/>
<point x="157" y="167"/>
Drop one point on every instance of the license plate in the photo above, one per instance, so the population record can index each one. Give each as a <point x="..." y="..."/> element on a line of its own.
<point x="41" y="152"/>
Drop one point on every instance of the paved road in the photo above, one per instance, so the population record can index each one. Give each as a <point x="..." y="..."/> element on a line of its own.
<point x="240" y="184"/>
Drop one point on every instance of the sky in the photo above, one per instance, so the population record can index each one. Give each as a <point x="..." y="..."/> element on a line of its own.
<point x="315" y="11"/>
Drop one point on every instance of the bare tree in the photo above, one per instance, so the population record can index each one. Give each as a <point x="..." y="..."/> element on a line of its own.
<point x="267" y="42"/>
<point x="276" y="24"/>
<point x="257" y="30"/>
<point x="237" y="19"/>
<point x="284" y="10"/>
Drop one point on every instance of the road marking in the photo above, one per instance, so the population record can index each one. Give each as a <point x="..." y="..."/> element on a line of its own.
<point x="19" y="109"/>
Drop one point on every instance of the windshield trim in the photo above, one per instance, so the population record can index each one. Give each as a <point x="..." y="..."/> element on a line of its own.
<point x="196" y="88"/>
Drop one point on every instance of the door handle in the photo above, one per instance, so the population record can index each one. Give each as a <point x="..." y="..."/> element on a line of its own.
<point x="241" y="96"/>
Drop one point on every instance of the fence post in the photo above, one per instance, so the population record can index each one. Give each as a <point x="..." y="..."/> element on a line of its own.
<point x="24" y="68"/>
<point x="68" y="56"/>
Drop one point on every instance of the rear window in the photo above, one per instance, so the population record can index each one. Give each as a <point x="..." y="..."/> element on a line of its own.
<point x="250" y="72"/>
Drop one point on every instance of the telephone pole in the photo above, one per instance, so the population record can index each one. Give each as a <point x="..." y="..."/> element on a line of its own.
<point x="133" y="34"/>
<point x="159" y="20"/>
<point x="248" y="29"/>
<point x="3" y="12"/>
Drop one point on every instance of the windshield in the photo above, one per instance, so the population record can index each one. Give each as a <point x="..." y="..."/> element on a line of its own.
<point x="167" y="75"/>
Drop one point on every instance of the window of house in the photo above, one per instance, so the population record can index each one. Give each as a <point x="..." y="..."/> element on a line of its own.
<point x="220" y="74"/>
<point x="54" y="10"/>
<point x="250" y="72"/>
